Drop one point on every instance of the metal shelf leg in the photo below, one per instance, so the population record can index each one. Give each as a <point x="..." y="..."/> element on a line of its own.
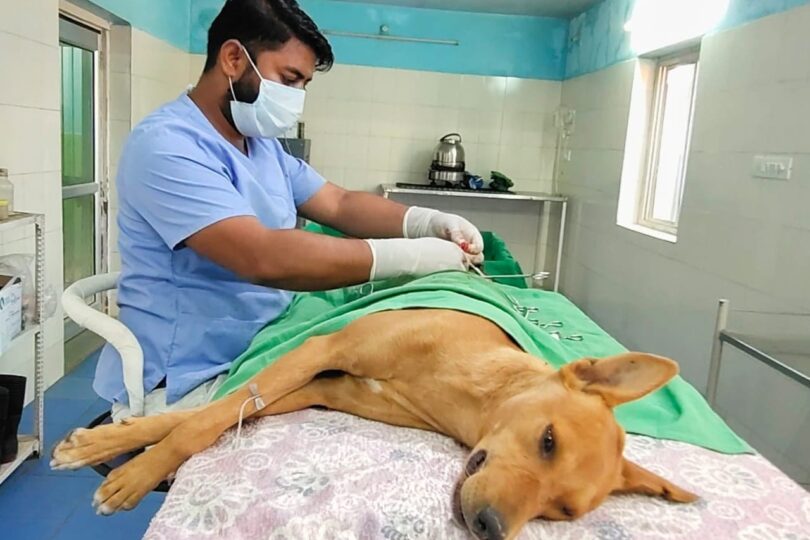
<point x="39" y="339"/>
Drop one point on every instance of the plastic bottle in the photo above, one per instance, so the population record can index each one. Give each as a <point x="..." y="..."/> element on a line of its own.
<point x="6" y="195"/>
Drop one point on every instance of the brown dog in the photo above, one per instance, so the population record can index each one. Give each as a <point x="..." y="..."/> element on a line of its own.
<point x="545" y="442"/>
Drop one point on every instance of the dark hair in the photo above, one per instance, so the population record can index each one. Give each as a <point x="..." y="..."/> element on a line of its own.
<point x="266" y="25"/>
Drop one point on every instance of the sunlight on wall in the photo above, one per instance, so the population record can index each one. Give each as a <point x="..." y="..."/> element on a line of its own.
<point x="656" y="24"/>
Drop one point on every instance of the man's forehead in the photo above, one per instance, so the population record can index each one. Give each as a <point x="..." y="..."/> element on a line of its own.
<point x="293" y="55"/>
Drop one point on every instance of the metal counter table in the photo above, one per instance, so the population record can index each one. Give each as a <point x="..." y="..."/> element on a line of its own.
<point x="788" y="356"/>
<point x="545" y="201"/>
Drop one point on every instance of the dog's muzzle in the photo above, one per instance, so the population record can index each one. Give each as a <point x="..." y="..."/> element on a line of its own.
<point x="487" y="523"/>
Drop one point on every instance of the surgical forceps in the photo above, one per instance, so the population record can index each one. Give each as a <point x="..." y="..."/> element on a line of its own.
<point x="546" y="326"/>
<point x="517" y="306"/>
<point x="573" y="337"/>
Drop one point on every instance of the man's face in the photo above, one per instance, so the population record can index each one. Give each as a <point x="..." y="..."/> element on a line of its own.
<point x="291" y="65"/>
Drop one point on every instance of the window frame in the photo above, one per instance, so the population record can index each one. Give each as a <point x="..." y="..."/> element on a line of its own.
<point x="647" y="188"/>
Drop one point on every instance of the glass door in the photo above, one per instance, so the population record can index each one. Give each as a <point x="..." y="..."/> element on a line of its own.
<point x="81" y="201"/>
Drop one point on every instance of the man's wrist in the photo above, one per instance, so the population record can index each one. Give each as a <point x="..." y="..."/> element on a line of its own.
<point x="416" y="223"/>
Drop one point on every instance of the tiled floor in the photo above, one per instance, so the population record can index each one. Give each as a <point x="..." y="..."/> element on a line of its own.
<point x="39" y="504"/>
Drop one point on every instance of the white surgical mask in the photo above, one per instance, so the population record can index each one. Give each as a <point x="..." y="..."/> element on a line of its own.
<point x="277" y="109"/>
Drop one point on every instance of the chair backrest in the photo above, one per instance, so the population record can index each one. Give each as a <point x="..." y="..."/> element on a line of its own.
<point x="110" y="329"/>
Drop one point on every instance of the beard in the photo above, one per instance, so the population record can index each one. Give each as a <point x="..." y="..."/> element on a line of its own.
<point x="245" y="90"/>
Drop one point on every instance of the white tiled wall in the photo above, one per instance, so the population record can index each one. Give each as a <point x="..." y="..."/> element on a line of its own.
<point x="160" y="73"/>
<point x="740" y="237"/>
<point x="373" y="125"/>
<point x="196" y="63"/>
<point x="781" y="428"/>
<point x="30" y="149"/>
<point x="145" y="73"/>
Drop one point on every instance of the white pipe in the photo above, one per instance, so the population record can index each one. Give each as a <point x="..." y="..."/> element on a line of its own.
<point x="112" y="330"/>
<point x="387" y="37"/>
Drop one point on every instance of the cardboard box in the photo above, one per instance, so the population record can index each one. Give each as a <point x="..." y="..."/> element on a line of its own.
<point x="10" y="310"/>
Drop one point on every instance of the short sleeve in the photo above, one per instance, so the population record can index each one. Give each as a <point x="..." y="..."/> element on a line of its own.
<point x="304" y="180"/>
<point x="177" y="187"/>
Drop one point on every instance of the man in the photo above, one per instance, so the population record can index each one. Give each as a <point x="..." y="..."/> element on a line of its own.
<point x="209" y="202"/>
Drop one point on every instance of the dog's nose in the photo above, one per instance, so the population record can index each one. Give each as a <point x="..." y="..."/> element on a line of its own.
<point x="488" y="525"/>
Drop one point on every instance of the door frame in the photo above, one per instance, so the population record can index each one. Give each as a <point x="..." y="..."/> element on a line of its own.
<point x="101" y="187"/>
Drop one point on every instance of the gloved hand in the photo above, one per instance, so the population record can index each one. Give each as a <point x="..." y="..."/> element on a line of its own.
<point x="424" y="222"/>
<point x="397" y="257"/>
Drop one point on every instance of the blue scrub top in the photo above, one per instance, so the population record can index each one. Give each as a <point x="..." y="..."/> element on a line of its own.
<point x="192" y="317"/>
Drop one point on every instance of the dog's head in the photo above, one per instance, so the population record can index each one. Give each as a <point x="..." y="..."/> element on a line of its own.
<point x="554" y="450"/>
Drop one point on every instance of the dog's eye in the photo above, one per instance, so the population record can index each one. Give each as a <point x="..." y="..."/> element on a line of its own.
<point x="547" y="444"/>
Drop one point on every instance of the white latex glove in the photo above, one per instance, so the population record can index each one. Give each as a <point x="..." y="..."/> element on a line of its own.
<point x="397" y="257"/>
<point x="424" y="222"/>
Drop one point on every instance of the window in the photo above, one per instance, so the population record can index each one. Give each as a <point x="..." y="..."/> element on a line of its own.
<point x="668" y="144"/>
<point x="79" y="183"/>
<point x="658" y="145"/>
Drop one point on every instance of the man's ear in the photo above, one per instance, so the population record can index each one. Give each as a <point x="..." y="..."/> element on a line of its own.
<point x="636" y="479"/>
<point x="619" y="379"/>
<point x="233" y="60"/>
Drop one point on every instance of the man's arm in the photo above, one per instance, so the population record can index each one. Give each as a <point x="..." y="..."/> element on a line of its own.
<point x="284" y="259"/>
<point x="301" y="261"/>
<point x="355" y="213"/>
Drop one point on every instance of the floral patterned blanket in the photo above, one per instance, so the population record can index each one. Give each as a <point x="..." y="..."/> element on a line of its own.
<point x="322" y="475"/>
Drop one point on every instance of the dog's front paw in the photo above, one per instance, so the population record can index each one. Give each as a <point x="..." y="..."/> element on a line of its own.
<point x="127" y="485"/>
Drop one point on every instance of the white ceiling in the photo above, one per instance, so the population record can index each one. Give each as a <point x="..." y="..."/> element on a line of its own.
<point x="538" y="8"/>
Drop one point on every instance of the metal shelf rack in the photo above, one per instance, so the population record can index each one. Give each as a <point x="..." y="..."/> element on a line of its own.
<point x="31" y="445"/>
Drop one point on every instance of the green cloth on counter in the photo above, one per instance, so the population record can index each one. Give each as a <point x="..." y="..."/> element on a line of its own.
<point x="676" y="412"/>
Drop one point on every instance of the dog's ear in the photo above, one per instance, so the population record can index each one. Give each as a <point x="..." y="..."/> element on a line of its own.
<point x="619" y="379"/>
<point x="636" y="479"/>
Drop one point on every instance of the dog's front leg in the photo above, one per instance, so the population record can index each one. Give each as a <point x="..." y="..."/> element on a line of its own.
<point x="128" y="484"/>
<point x="82" y="447"/>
